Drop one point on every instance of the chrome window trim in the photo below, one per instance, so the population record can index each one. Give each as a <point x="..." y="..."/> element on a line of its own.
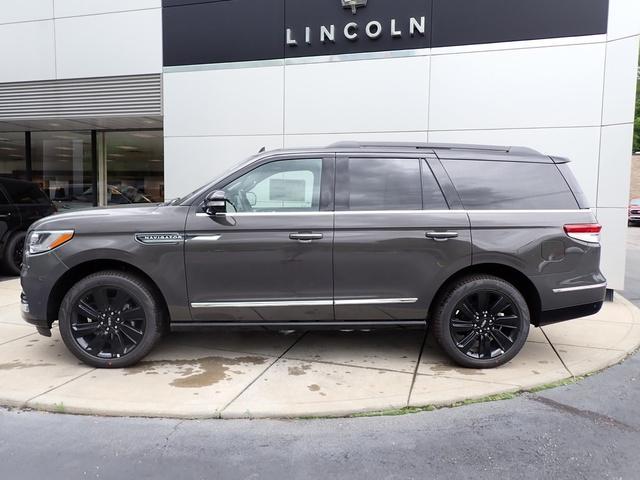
<point x="304" y="303"/>
<point x="387" y="212"/>
<point x="581" y="287"/>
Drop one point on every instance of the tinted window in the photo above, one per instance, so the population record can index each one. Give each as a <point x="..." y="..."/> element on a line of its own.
<point x="575" y="186"/>
<point x="3" y="198"/>
<point x="285" y="185"/>
<point x="25" y="193"/>
<point x="509" y="185"/>
<point x="432" y="197"/>
<point x="379" y="184"/>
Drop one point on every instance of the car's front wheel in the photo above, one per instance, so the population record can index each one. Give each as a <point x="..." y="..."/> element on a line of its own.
<point x="110" y="319"/>
<point x="481" y="321"/>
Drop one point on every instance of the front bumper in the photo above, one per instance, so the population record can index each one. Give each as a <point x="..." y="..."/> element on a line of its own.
<point x="39" y="276"/>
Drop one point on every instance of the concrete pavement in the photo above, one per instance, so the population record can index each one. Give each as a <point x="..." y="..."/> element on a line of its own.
<point x="265" y="374"/>
<point x="590" y="429"/>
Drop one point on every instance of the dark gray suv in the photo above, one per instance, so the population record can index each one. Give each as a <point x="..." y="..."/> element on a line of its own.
<point x="478" y="242"/>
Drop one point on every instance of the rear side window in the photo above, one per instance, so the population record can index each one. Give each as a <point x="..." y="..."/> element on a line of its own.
<point x="574" y="185"/>
<point x="378" y="184"/>
<point x="492" y="185"/>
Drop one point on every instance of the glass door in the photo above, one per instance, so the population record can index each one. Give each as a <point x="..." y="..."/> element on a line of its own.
<point x="133" y="166"/>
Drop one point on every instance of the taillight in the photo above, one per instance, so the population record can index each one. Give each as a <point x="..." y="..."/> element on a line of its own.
<point x="587" y="232"/>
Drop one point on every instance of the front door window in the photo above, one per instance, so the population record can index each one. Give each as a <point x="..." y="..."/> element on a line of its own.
<point x="281" y="186"/>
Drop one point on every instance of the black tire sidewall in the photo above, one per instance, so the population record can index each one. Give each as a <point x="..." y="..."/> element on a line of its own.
<point x="8" y="263"/>
<point x="139" y="291"/>
<point x="458" y="292"/>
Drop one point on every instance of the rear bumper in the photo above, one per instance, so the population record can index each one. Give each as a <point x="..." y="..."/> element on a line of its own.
<point x="569" y="313"/>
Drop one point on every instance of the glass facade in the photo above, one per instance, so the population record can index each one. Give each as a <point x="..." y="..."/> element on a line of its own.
<point x="13" y="161"/>
<point x="82" y="169"/>
<point x="134" y="166"/>
<point x="61" y="164"/>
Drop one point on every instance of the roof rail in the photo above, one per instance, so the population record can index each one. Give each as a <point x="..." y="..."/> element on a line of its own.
<point x="436" y="146"/>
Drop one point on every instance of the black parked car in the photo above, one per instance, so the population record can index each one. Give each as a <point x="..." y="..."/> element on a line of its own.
<point x="479" y="242"/>
<point x="21" y="204"/>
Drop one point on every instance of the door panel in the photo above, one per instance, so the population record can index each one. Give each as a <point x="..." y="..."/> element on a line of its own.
<point x="387" y="256"/>
<point x="390" y="260"/>
<point x="272" y="259"/>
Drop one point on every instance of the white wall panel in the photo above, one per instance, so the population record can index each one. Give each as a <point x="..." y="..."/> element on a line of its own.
<point x="357" y="96"/>
<point x="324" y="139"/>
<point x="243" y="101"/>
<point x="540" y="87"/>
<point x="25" y="10"/>
<point x="580" y="145"/>
<point x="615" y="166"/>
<point x="67" y="8"/>
<point x="613" y="240"/>
<point x="620" y="81"/>
<point x="27" y="51"/>
<point x="624" y="18"/>
<point x="191" y="162"/>
<point x="112" y="44"/>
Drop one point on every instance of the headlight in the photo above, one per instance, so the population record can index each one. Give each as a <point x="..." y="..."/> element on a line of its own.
<point x="41" y="241"/>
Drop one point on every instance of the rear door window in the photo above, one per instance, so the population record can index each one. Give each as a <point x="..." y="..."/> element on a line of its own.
<point x="496" y="185"/>
<point x="378" y="184"/>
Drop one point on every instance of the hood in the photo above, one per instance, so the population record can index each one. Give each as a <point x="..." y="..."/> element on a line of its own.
<point x="122" y="218"/>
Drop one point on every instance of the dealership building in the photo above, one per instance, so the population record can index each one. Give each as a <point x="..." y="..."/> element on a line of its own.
<point x="114" y="101"/>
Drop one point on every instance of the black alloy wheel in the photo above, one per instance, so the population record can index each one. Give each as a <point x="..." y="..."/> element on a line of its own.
<point x="485" y="324"/>
<point x="107" y="322"/>
<point x="481" y="321"/>
<point x="111" y="319"/>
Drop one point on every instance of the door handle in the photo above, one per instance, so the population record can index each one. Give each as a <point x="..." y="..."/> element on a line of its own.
<point x="441" y="235"/>
<point x="305" y="237"/>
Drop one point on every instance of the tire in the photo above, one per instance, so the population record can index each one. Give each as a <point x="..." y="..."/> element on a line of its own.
<point x="110" y="319"/>
<point x="473" y="339"/>
<point x="12" y="255"/>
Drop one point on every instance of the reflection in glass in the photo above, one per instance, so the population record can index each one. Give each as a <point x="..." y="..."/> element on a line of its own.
<point x="61" y="165"/>
<point x="135" y="167"/>
<point x="12" y="155"/>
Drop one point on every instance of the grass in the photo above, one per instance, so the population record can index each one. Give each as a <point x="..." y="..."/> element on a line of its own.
<point x="489" y="398"/>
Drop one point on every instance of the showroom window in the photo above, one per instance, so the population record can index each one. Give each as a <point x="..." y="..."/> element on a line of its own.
<point x="13" y="155"/>
<point x="61" y="165"/>
<point x="134" y="167"/>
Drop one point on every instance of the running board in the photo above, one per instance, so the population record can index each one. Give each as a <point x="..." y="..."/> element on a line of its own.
<point x="182" y="326"/>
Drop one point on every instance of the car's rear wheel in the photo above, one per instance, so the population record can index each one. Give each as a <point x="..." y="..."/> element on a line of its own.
<point x="481" y="321"/>
<point x="13" y="252"/>
<point x="110" y="319"/>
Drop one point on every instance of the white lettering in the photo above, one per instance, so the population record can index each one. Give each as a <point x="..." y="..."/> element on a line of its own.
<point x="307" y="35"/>
<point x="351" y="31"/>
<point x="328" y="34"/>
<point x="290" y="40"/>
<point x="394" y="32"/>
<point x="371" y="33"/>
<point x="414" y="25"/>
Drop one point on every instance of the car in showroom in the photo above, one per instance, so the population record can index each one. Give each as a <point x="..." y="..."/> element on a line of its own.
<point x="475" y="242"/>
<point x="21" y="204"/>
<point x="634" y="211"/>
